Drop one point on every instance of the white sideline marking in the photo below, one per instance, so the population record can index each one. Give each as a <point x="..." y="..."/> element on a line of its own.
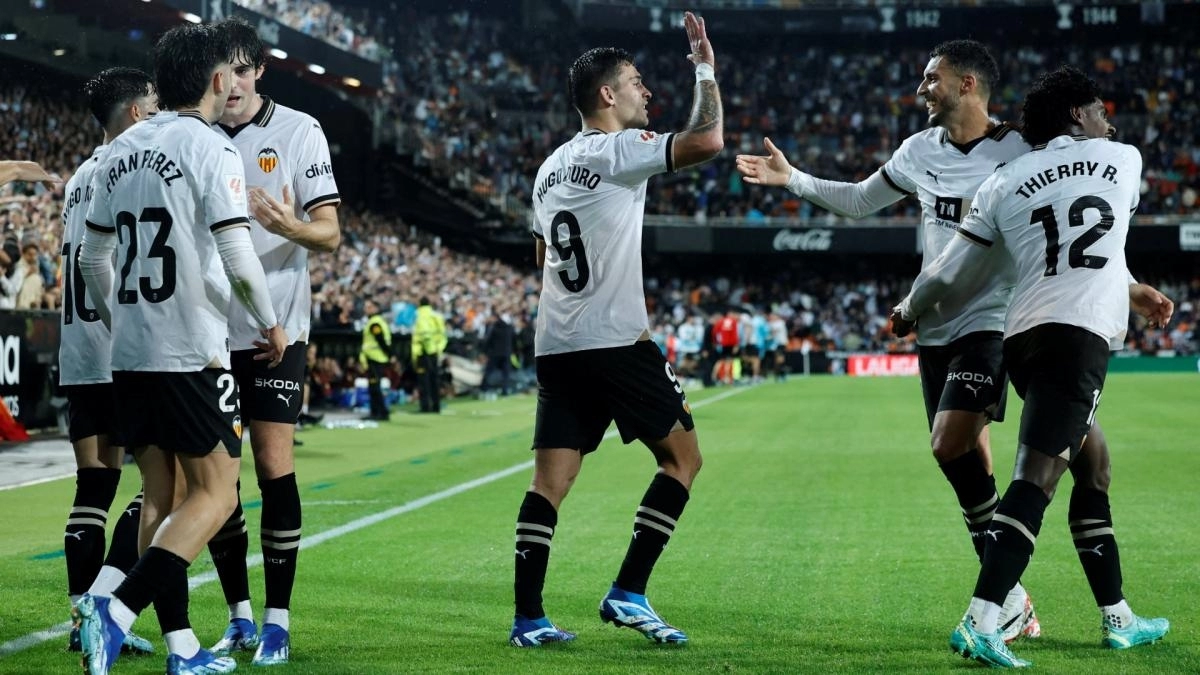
<point x="26" y="641"/>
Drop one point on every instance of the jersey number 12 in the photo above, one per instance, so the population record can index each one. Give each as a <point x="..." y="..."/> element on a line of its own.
<point x="1077" y="255"/>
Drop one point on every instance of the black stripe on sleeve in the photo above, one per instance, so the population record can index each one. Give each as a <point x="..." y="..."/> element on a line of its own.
<point x="240" y="221"/>
<point x="974" y="238"/>
<point x="892" y="183"/>
<point x="670" y="153"/>
<point x="99" y="228"/>
<point x="321" y="201"/>
<point x="536" y="236"/>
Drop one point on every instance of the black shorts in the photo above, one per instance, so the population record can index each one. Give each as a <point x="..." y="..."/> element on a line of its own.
<point x="580" y="393"/>
<point x="91" y="411"/>
<point x="1059" y="371"/>
<point x="271" y="394"/>
<point x="750" y="350"/>
<point x="187" y="413"/>
<point x="967" y="374"/>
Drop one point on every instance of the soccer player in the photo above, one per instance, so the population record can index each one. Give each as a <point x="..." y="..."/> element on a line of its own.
<point x="1058" y="217"/>
<point x="959" y="338"/>
<point x="118" y="98"/>
<point x="595" y="360"/>
<point x="293" y="209"/>
<point x="174" y="193"/>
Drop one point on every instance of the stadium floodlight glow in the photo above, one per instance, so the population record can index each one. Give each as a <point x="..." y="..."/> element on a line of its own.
<point x="8" y="36"/>
<point x="278" y="53"/>
<point x="59" y="52"/>
<point x="319" y="70"/>
<point x="351" y="82"/>
<point x="188" y="16"/>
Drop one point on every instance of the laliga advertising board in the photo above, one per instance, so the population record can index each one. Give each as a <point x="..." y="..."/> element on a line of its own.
<point x="867" y="365"/>
<point x="28" y="351"/>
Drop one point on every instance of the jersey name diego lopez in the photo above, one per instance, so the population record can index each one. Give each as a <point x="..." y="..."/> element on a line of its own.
<point x="164" y="188"/>
<point x="588" y="205"/>
<point x="84" y="344"/>
<point x="945" y="177"/>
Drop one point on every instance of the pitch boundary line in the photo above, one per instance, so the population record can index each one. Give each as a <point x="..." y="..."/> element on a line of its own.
<point x="37" y="637"/>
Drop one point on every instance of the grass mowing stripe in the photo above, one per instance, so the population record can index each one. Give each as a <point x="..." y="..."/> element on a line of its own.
<point x="32" y="639"/>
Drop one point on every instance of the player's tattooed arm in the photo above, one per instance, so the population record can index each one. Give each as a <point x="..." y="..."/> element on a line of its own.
<point x="704" y="136"/>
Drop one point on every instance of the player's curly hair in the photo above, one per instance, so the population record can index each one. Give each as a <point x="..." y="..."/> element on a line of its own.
<point x="114" y="88"/>
<point x="1046" y="112"/>
<point x="970" y="56"/>
<point x="596" y="67"/>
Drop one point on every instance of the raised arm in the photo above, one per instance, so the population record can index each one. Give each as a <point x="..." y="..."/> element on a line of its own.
<point x="704" y="136"/>
<point x="854" y="200"/>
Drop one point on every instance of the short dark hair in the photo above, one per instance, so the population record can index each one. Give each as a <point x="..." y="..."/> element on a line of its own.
<point x="594" y="68"/>
<point x="114" y="88"/>
<point x="1046" y="112"/>
<point x="184" y="60"/>
<point x="970" y="56"/>
<point x="423" y="302"/>
<point x="244" y="41"/>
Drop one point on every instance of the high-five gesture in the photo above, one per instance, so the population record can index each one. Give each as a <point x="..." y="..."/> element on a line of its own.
<point x="770" y="170"/>
<point x="702" y="51"/>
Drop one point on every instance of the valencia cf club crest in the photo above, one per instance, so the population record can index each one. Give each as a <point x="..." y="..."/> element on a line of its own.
<point x="268" y="159"/>
<point x="237" y="426"/>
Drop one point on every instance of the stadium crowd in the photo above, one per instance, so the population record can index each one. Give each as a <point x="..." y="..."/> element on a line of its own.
<point x="349" y="30"/>
<point x="442" y="102"/>
<point x="478" y="105"/>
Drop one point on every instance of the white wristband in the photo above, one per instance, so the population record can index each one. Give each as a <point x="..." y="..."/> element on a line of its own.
<point x="705" y="73"/>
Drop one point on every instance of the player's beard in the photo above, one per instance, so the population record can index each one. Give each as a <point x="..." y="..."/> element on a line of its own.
<point x="945" y="108"/>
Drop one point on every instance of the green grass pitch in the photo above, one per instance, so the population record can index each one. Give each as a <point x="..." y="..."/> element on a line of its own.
<point x="820" y="538"/>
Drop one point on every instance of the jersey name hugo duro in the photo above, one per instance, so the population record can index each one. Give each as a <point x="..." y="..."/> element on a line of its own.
<point x="588" y="207"/>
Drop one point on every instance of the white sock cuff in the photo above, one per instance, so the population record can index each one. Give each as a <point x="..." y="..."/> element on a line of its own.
<point x="279" y="617"/>
<point x="182" y="642"/>
<point x="241" y="610"/>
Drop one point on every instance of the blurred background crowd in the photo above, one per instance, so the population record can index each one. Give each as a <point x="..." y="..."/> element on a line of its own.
<point x="477" y="100"/>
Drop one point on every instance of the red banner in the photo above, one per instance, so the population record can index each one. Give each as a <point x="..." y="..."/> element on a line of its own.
<point x="867" y="365"/>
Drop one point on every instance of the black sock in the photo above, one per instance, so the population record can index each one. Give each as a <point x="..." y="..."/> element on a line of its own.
<point x="535" y="528"/>
<point x="1011" y="539"/>
<point x="228" y="549"/>
<point x="976" y="492"/>
<point x="1096" y="544"/>
<point x="280" y="535"/>
<point x="123" y="552"/>
<point x="83" y="539"/>
<point x="652" y="529"/>
<point x="154" y="572"/>
<point x="171" y="603"/>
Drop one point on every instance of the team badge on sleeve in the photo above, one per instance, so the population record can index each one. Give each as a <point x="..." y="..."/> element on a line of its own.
<point x="237" y="190"/>
<point x="649" y="138"/>
<point x="268" y="159"/>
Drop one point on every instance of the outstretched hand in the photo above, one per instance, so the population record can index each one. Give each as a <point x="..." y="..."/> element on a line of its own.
<point x="702" y="51"/>
<point x="30" y="172"/>
<point x="773" y="169"/>
<point x="1152" y="304"/>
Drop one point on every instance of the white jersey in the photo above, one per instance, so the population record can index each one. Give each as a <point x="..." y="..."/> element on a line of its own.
<point x="83" y="349"/>
<point x="1063" y="212"/>
<point x="164" y="188"/>
<point x="588" y="205"/>
<point x="945" y="177"/>
<point x="281" y="146"/>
